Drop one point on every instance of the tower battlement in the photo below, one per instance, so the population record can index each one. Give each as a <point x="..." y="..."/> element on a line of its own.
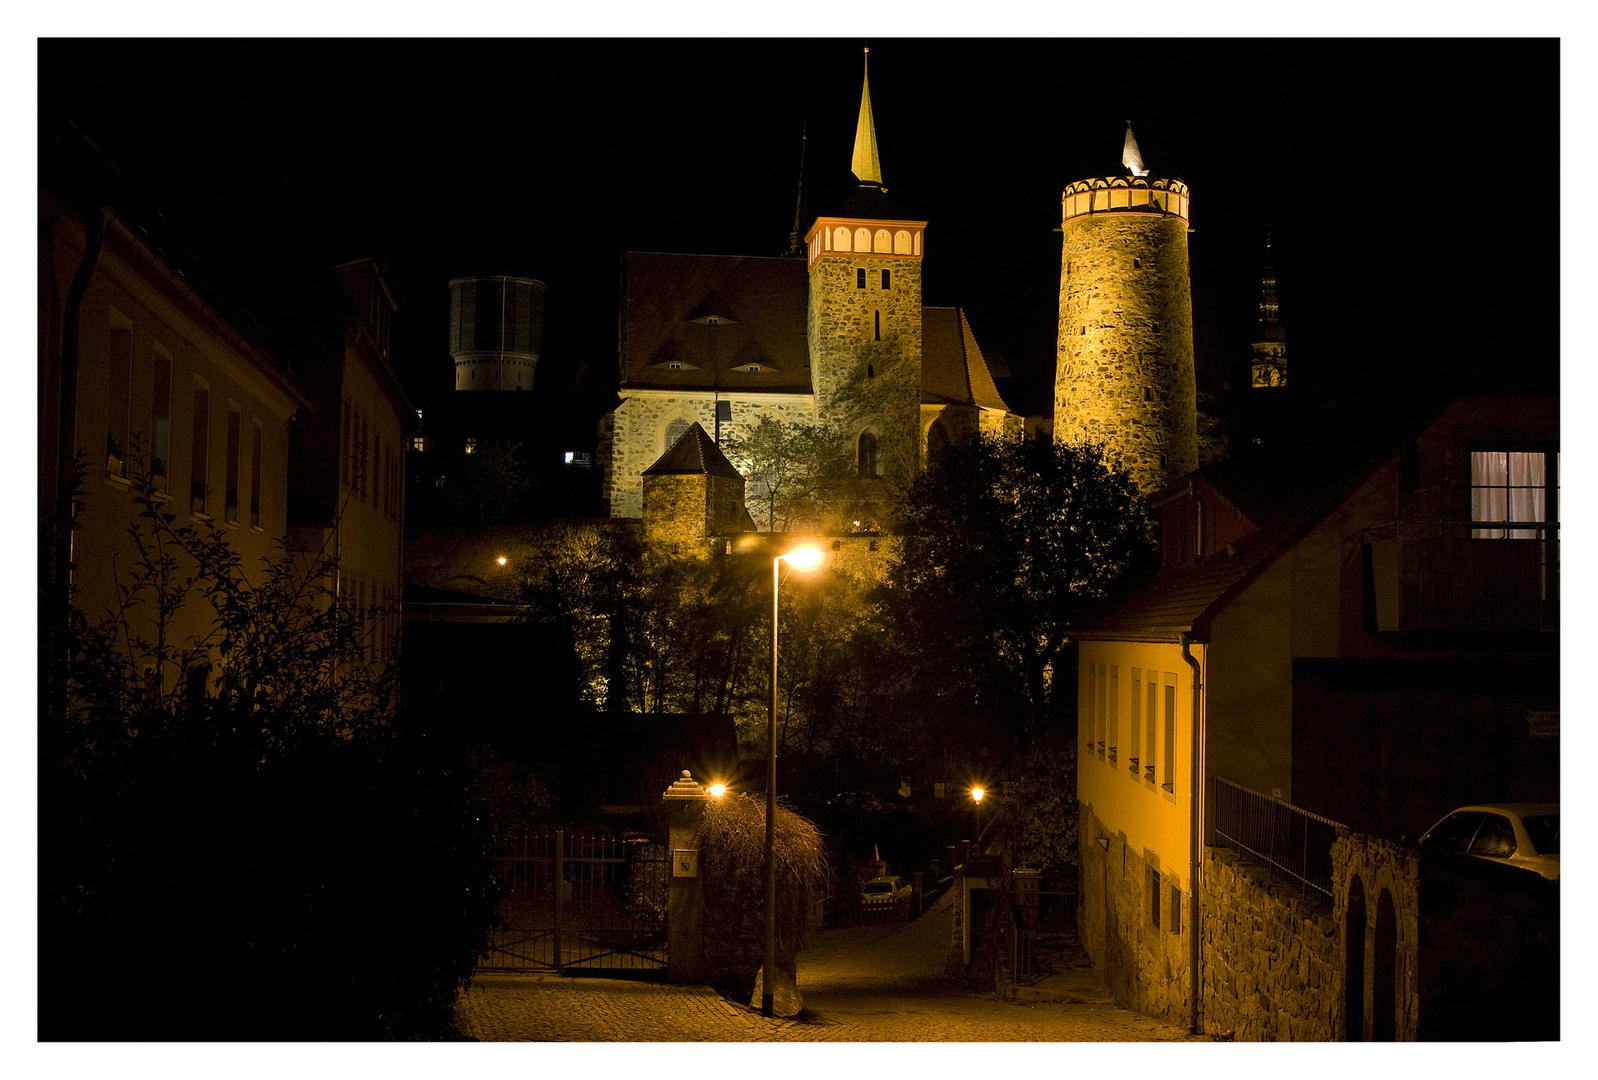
<point x="1125" y="195"/>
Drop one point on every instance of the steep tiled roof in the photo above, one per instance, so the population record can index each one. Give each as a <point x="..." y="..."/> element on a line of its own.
<point x="758" y="308"/>
<point x="695" y="453"/>
<point x="953" y="371"/>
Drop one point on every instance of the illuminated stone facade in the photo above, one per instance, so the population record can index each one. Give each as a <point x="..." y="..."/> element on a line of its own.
<point x="1124" y="369"/>
<point x="864" y="326"/>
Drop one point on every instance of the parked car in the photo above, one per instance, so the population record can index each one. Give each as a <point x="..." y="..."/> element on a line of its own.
<point x="884" y="890"/>
<point x="1515" y="834"/>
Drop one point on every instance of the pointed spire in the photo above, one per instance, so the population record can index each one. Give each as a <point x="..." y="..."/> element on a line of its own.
<point x="1268" y="306"/>
<point x="866" y="165"/>
<point x="1130" y="156"/>
<point x="796" y="246"/>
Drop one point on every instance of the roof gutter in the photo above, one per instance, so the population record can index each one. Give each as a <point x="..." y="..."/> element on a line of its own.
<point x="1196" y="836"/>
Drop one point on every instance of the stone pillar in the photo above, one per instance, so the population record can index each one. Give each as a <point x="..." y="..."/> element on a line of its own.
<point x="685" y="902"/>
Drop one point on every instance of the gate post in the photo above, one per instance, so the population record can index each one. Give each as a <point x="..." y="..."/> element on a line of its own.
<point x="685" y="902"/>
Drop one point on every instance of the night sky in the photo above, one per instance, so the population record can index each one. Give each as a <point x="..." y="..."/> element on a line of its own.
<point x="1410" y="187"/>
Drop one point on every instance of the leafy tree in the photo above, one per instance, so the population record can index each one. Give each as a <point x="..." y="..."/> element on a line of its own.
<point x="806" y="468"/>
<point x="487" y="483"/>
<point x="1006" y="544"/>
<point x="271" y="821"/>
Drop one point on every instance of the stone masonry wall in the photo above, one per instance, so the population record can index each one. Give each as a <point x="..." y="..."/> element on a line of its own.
<point x="1271" y="959"/>
<point x="1146" y="965"/>
<point x="860" y="381"/>
<point x="637" y="431"/>
<point x="1124" y="371"/>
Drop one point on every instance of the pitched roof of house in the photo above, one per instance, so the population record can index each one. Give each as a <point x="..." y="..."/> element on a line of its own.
<point x="694" y="454"/>
<point x="696" y="322"/>
<point x="953" y="369"/>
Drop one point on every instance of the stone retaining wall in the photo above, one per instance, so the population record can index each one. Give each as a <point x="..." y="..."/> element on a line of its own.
<point x="1271" y="958"/>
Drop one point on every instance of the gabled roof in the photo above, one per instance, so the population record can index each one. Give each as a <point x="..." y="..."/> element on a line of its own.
<point x="694" y="454"/>
<point x="953" y="371"/>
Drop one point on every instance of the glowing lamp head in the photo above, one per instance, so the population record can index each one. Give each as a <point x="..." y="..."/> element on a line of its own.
<point x="716" y="791"/>
<point x="500" y="560"/>
<point x="976" y="794"/>
<point x="802" y="558"/>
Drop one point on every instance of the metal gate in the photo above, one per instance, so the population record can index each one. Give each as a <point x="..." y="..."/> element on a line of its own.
<point x="580" y="902"/>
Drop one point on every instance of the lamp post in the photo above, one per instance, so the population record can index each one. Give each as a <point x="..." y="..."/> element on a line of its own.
<point x="976" y="799"/>
<point x="803" y="558"/>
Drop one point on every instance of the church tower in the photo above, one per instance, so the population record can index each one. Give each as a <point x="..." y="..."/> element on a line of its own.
<point x="864" y="316"/>
<point x="1269" y="367"/>
<point x="1124" y="371"/>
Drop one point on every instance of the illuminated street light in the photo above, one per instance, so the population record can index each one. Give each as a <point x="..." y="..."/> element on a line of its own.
<point x="500" y="560"/>
<point x="976" y="800"/>
<point x="716" y="791"/>
<point x="802" y="558"/>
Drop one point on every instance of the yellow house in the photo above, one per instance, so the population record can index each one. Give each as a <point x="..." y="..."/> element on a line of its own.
<point x="1374" y="641"/>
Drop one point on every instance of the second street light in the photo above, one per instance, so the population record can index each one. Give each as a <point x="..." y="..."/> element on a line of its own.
<point x="802" y="558"/>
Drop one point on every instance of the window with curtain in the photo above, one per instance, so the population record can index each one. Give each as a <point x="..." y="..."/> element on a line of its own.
<point x="1510" y="487"/>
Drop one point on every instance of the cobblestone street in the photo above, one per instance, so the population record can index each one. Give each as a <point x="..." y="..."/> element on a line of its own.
<point x="881" y="983"/>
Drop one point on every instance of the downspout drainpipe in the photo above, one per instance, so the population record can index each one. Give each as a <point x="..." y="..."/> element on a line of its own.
<point x="66" y="453"/>
<point x="1196" y="841"/>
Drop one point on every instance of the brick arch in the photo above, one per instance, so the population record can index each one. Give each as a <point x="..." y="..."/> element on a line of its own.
<point x="1354" y="963"/>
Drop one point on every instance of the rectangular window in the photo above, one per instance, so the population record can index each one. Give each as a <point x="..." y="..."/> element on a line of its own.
<point x="160" y="415"/>
<point x="344" y="445"/>
<point x="118" y="389"/>
<point x="1154" y="898"/>
<point x="1134" y="740"/>
<point x="230" y="497"/>
<point x="1152" y="720"/>
<point x="1169" y="783"/>
<point x="1509" y="487"/>
<point x="1174" y="915"/>
<point x="200" y="450"/>
<point x="361" y="457"/>
<point x="1098" y="707"/>
<point x="886" y="279"/>
<point x="257" y="444"/>
<point x="1114" y="700"/>
<point x="860" y="277"/>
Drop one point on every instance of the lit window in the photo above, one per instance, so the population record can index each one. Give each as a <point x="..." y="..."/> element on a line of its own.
<point x="471" y="445"/>
<point x="418" y="442"/>
<point x="1512" y="487"/>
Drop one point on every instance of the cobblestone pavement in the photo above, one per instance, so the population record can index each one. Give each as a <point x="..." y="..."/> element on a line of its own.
<point x="862" y="984"/>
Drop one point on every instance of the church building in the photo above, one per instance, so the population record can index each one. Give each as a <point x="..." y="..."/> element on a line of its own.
<point x="835" y="334"/>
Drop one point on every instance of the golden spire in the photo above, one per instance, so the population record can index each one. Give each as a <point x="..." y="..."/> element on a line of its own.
<point x="866" y="166"/>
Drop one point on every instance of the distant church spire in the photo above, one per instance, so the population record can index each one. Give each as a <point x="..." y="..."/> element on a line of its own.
<point x="1130" y="156"/>
<point x="1268" y="287"/>
<point x="866" y="165"/>
<point x="796" y="245"/>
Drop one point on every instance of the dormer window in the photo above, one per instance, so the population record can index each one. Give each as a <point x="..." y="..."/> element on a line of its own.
<point x="712" y="318"/>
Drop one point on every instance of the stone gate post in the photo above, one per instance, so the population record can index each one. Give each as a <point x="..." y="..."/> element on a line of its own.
<point x="685" y="902"/>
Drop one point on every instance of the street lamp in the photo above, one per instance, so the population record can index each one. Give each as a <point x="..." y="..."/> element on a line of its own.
<point x="802" y="558"/>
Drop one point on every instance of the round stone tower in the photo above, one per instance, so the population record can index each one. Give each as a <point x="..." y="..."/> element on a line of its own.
<point x="496" y="331"/>
<point x="1124" y="368"/>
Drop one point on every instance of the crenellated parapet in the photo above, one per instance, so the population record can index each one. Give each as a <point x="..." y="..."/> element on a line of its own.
<point x="1125" y="195"/>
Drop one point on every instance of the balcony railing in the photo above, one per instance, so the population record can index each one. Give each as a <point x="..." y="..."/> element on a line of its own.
<point x="1478" y="576"/>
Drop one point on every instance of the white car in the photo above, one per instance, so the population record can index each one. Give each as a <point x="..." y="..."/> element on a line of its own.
<point x="884" y="890"/>
<point x="1515" y="834"/>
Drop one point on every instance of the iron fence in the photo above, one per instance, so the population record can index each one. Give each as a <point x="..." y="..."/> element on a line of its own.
<point x="1293" y="844"/>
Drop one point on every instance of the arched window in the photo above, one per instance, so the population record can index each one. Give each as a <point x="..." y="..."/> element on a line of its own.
<point x="867" y="458"/>
<point x="674" y="431"/>
<point x="840" y="239"/>
<point x="862" y="239"/>
<point x="883" y="241"/>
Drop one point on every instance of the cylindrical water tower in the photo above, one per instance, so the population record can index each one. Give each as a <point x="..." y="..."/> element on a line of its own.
<point x="496" y="331"/>
<point x="1124" y="369"/>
